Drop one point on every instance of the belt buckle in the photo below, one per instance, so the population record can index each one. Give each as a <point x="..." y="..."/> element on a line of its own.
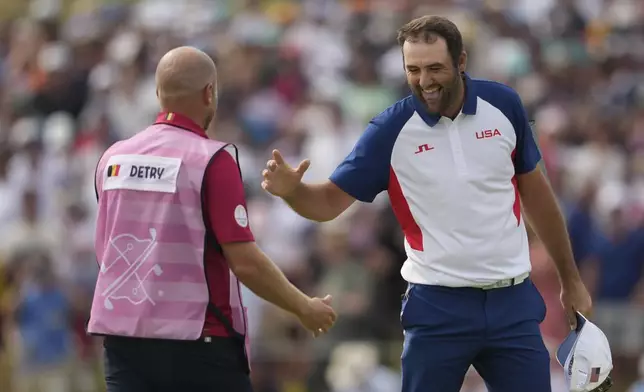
<point x="505" y="283"/>
<point x="499" y="284"/>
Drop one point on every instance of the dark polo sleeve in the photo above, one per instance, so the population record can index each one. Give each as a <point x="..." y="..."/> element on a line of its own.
<point x="225" y="200"/>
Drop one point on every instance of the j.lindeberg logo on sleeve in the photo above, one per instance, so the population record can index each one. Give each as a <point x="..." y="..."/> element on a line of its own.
<point x="142" y="173"/>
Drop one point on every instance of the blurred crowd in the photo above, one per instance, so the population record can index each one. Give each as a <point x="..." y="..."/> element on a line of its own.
<point x="306" y="76"/>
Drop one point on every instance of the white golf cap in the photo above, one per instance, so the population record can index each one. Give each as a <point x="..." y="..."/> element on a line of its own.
<point x="586" y="358"/>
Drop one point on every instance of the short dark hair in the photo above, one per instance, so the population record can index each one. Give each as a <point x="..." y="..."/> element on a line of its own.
<point x="428" y="28"/>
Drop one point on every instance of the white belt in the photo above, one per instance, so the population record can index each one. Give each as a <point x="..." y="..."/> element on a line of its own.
<point x="505" y="282"/>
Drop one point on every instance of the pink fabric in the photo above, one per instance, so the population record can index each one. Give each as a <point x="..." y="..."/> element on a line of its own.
<point x="150" y="246"/>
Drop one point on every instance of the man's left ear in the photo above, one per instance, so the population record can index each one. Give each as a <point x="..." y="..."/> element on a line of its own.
<point x="462" y="62"/>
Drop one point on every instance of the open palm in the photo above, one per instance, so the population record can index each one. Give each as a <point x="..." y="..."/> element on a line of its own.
<point x="280" y="179"/>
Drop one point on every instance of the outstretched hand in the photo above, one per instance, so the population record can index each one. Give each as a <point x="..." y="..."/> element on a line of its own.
<point x="280" y="179"/>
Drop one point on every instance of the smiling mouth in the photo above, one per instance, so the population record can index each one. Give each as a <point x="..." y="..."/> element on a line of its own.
<point x="432" y="93"/>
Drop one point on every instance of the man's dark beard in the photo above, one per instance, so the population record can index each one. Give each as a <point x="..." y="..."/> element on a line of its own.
<point x="449" y="93"/>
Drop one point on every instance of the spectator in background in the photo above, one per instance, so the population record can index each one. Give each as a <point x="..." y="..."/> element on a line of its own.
<point x="29" y="231"/>
<point x="42" y="316"/>
<point x="285" y="67"/>
<point x="62" y="88"/>
<point x="8" y="194"/>
<point x="5" y="306"/>
<point x="356" y="367"/>
<point x="581" y="223"/>
<point x="348" y="280"/>
<point x="79" y="270"/>
<point x="638" y="386"/>
<point x="615" y="267"/>
<point x="365" y="96"/>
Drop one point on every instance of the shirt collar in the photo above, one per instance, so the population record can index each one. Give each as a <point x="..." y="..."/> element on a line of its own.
<point x="180" y="121"/>
<point x="469" y="105"/>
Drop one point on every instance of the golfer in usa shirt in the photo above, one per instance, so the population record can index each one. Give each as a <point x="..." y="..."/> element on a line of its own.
<point x="460" y="165"/>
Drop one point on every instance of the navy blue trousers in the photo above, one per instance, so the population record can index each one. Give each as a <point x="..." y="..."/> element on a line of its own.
<point x="145" y="365"/>
<point x="496" y="331"/>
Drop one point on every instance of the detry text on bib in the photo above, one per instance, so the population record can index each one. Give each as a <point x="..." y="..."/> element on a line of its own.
<point x="142" y="173"/>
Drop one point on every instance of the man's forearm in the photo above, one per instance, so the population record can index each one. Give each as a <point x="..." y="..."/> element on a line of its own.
<point x="548" y="223"/>
<point x="264" y="279"/>
<point x="311" y="202"/>
<point x="551" y="230"/>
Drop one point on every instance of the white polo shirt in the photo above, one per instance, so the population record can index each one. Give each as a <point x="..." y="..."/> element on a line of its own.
<point x="452" y="184"/>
